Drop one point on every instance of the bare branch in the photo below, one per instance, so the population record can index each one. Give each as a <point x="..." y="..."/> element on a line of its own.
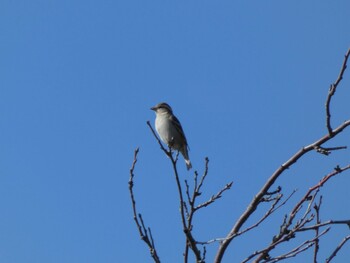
<point x="272" y="209"/>
<point x="317" y="208"/>
<point x="145" y="235"/>
<point x="287" y="231"/>
<point x="264" y="253"/>
<point x="190" y="242"/>
<point x="257" y="199"/>
<point x="342" y="243"/>
<point x="328" y="150"/>
<point x="299" y="249"/>
<point x="186" y="228"/>
<point x="332" y="91"/>
<point x="326" y="223"/>
<point x="214" y="197"/>
<point x="318" y="143"/>
<point x="337" y="170"/>
<point x="197" y="189"/>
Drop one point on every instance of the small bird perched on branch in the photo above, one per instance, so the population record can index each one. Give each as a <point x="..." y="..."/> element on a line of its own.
<point x="170" y="130"/>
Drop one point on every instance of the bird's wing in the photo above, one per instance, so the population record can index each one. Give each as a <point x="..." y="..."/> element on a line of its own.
<point x="178" y="127"/>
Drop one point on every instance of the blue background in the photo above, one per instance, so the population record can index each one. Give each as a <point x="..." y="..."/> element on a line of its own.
<point x="247" y="79"/>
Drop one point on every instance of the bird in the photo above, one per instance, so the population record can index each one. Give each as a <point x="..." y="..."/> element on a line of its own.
<point x="170" y="130"/>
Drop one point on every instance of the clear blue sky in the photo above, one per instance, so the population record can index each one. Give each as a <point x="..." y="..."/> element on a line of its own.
<point x="248" y="80"/>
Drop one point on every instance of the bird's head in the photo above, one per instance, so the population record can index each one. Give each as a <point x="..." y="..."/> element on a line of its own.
<point x="162" y="107"/>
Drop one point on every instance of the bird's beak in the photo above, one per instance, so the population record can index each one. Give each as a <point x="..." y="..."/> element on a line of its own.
<point x="154" y="108"/>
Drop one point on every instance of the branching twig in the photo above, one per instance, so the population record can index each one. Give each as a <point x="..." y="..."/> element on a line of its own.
<point x="337" y="170"/>
<point x="272" y="209"/>
<point x="187" y="211"/>
<point x="287" y="231"/>
<point x="299" y="249"/>
<point x="214" y="197"/>
<point x="191" y="242"/>
<point x="267" y="257"/>
<point x="145" y="235"/>
<point x="258" y="197"/>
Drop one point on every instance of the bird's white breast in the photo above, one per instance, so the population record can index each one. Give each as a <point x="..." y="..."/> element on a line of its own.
<point x="166" y="130"/>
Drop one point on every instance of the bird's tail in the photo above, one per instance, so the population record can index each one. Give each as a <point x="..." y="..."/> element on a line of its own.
<point x="188" y="164"/>
<point x="184" y="152"/>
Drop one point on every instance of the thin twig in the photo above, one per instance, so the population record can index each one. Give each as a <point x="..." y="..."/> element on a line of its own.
<point x="326" y="223"/>
<point x="214" y="197"/>
<point x="317" y="208"/>
<point x="197" y="189"/>
<point x="186" y="228"/>
<point x="328" y="150"/>
<point x="272" y="209"/>
<point x="332" y="91"/>
<point x="336" y="250"/>
<point x="299" y="249"/>
<point x="337" y="170"/>
<point x="265" y="257"/>
<point x="145" y="235"/>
